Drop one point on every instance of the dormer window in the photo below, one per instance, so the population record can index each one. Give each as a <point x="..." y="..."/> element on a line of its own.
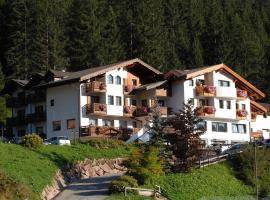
<point x="118" y="80"/>
<point x="110" y="79"/>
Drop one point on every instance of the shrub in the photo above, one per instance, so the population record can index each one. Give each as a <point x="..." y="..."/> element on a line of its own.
<point x="105" y="143"/>
<point x="244" y="164"/>
<point x="119" y="185"/>
<point x="32" y="141"/>
<point x="145" y="163"/>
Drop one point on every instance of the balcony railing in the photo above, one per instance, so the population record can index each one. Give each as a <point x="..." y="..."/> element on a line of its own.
<point x="242" y="94"/>
<point x="207" y="111"/>
<point x="253" y="116"/>
<point x="108" y="131"/>
<point x="205" y="90"/>
<point x="128" y="88"/>
<point x="161" y="92"/>
<point x="142" y="111"/>
<point x="95" y="86"/>
<point x="16" y="121"/>
<point x="241" y="114"/>
<point x="129" y="110"/>
<point x="14" y="102"/>
<point x="36" y="117"/>
<point x="96" y="108"/>
<point x="35" y="98"/>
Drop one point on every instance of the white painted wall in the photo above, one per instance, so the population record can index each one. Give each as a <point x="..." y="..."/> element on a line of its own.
<point x="176" y="100"/>
<point x="66" y="106"/>
<point x="262" y="124"/>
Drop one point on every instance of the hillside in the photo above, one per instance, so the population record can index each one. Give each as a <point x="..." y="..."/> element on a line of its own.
<point x="214" y="182"/>
<point x="33" y="170"/>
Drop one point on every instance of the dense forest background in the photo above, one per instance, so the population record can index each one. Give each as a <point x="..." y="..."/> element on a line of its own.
<point x="78" y="34"/>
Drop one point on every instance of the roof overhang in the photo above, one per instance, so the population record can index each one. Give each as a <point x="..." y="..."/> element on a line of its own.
<point x="256" y="107"/>
<point x="128" y="64"/>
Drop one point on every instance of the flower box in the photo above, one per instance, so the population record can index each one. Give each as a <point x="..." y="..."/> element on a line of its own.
<point x="209" y="110"/>
<point x="242" y="113"/>
<point x="242" y="93"/>
<point x="210" y="89"/>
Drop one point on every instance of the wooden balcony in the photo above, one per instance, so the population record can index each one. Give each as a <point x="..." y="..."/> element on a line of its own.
<point x="95" y="86"/>
<point x="16" y="121"/>
<point x="205" y="90"/>
<point x="14" y="102"/>
<point x="206" y="111"/>
<point x="108" y="131"/>
<point x="128" y="88"/>
<point x="253" y="116"/>
<point x="36" y="117"/>
<point x="241" y="114"/>
<point x="142" y="111"/>
<point x="164" y="110"/>
<point x="241" y="94"/>
<point x="161" y="92"/>
<point x="129" y="111"/>
<point x="96" y="108"/>
<point x="36" y="98"/>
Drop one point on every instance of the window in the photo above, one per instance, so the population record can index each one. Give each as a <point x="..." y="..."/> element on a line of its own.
<point x="161" y="103"/>
<point x="243" y="106"/>
<point x="200" y="82"/>
<point x="144" y="102"/>
<point x="107" y="122"/>
<point x="38" y="109"/>
<point x="223" y="83"/>
<point x="239" y="128"/>
<point x="201" y="125"/>
<point x="191" y="101"/>
<point x="221" y="104"/>
<point x="190" y="82"/>
<point x="110" y="79"/>
<point x="229" y="105"/>
<point x="118" y="80"/>
<point x="71" y="123"/>
<point x="110" y="100"/>
<point x="203" y="102"/>
<point x="39" y="130"/>
<point x="134" y="102"/>
<point x="134" y="82"/>
<point x="56" y="125"/>
<point x="118" y="101"/>
<point x="134" y="124"/>
<point x="219" y="127"/>
<point x="52" y="102"/>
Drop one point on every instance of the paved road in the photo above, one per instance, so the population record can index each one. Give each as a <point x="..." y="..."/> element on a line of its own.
<point x="88" y="189"/>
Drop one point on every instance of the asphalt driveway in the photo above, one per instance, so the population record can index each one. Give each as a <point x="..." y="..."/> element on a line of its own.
<point x="88" y="189"/>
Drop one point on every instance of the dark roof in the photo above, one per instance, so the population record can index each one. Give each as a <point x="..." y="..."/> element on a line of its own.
<point x="151" y="85"/>
<point x="12" y="85"/>
<point x="20" y="82"/>
<point x="267" y="106"/>
<point x="58" y="73"/>
<point x="183" y="73"/>
<point x="91" y="72"/>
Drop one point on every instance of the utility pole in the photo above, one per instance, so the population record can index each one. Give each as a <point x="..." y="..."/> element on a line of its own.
<point x="256" y="169"/>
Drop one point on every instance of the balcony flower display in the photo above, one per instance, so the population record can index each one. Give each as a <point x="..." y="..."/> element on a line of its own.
<point x="101" y="86"/>
<point x="242" y="93"/>
<point x="210" y="89"/>
<point x="242" y="113"/>
<point x="128" y="109"/>
<point x="209" y="110"/>
<point x="102" y="107"/>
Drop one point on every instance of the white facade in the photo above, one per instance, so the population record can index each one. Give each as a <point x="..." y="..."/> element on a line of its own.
<point x="62" y="105"/>
<point x="262" y="125"/>
<point x="184" y="90"/>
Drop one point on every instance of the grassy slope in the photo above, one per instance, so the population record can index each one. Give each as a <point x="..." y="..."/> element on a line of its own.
<point x="36" y="168"/>
<point x="210" y="182"/>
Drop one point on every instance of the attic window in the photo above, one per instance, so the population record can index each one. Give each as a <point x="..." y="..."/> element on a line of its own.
<point x="110" y="79"/>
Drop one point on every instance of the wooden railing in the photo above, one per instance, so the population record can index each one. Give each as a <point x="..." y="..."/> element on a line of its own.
<point x="205" y="90"/>
<point x="95" y="86"/>
<point x="96" y="108"/>
<point x="36" y="117"/>
<point x="242" y="94"/>
<point x="128" y="88"/>
<point x="253" y="116"/>
<point x="142" y="111"/>
<point x="241" y="114"/>
<point x="208" y="111"/>
<point x="108" y="131"/>
<point x="161" y="92"/>
<point x="129" y="110"/>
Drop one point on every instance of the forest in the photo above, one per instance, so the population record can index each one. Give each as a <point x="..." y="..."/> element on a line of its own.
<point x="76" y="34"/>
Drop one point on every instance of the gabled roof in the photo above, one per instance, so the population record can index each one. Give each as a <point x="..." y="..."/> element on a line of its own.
<point x="240" y="81"/>
<point x="92" y="72"/>
<point x="257" y="107"/>
<point x="151" y="85"/>
<point x="12" y="85"/>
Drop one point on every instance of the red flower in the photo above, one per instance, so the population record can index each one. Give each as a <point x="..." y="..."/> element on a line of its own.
<point x="209" y="110"/>
<point x="242" y="93"/>
<point x="242" y="113"/>
<point x="210" y="89"/>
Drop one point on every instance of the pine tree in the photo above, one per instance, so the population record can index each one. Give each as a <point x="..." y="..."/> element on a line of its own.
<point x="84" y="34"/>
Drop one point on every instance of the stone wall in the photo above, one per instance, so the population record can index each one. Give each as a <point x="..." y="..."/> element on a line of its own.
<point x="81" y="169"/>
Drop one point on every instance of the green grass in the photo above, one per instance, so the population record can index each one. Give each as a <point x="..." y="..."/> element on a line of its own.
<point x="214" y="182"/>
<point x="36" y="168"/>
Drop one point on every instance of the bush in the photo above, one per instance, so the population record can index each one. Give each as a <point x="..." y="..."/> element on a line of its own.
<point x="145" y="163"/>
<point x="244" y="164"/>
<point x="119" y="185"/>
<point x="105" y="143"/>
<point x="32" y="141"/>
